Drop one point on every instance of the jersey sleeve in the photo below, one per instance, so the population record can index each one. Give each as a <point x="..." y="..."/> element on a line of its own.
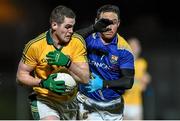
<point x="126" y="60"/>
<point x="126" y="54"/>
<point x="29" y="56"/>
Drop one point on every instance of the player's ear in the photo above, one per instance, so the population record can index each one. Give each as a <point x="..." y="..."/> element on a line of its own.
<point x="96" y="19"/>
<point x="119" y="23"/>
<point x="54" y="25"/>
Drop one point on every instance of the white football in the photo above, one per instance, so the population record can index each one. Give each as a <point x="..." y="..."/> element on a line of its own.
<point x="69" y="81"/>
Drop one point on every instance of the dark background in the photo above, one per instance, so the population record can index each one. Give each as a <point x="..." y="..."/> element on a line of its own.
<point x="154" y="22"/>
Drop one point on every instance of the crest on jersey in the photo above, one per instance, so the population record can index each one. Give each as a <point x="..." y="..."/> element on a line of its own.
<point x="114" y="59"/>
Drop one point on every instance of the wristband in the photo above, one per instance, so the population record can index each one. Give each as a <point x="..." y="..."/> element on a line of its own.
<point x="68" y="64"/>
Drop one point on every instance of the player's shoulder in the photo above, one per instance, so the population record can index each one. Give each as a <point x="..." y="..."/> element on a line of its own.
<point x="77" y="38"/>
<point x="39" y="40"/>
<point x="123" y="44"/>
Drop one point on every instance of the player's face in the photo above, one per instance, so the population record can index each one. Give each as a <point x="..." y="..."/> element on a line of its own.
<point x="135" y="46"/>
<point x="111" y="16"/>
<point x="64" y="31"/>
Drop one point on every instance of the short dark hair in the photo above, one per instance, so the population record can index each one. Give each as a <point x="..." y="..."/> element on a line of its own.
<point x="60" y="12"/>
<point x="108" y="8"/>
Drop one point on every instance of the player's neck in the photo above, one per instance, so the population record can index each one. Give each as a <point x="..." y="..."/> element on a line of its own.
<point x="106" y="41"/>
<point x="56" y="41"/>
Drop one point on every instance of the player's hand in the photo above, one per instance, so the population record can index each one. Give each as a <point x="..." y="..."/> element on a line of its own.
<point x="95" y="83"/>
<point x="101" y="25"/>
<point x="58" y="58"/>
<point x="54" y="86"/>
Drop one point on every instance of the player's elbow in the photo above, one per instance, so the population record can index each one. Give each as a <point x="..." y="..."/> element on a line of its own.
<point x="18" y="80"/>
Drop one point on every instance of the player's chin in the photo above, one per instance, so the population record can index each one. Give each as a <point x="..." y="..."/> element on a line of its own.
<point x="67" y="39"/>
<point x="108" y="36"/>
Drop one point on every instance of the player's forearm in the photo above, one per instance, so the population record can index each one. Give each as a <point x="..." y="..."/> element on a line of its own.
<point x="84" y="32"/>
<point x="27" y="80"/>
<point x="126" y="82"/>
<point x="99" y="26"/>
<point x="81" y="70"/>
<point x="122" y="83"/>
<point x="75" y="76"/>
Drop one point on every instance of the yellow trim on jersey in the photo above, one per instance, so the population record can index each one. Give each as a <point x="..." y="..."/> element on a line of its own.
<point x="122" y="44"/>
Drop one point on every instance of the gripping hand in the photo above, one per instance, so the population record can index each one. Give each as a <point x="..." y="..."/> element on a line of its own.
<point x="101" y="24"/>
<point x="95" y="83"/>
<point x="54" y="86"/>
<point x="58" y="58"/>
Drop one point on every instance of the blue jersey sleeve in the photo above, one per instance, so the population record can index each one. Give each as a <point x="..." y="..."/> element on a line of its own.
<point x="93" y="43"/>
<point x="126" y="59"/>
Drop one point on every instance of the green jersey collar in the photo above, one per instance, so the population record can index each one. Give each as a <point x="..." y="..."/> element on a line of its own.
<point x="49" y="38"/>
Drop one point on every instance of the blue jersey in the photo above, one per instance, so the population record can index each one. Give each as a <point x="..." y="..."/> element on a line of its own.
<point x="106" y="60"/>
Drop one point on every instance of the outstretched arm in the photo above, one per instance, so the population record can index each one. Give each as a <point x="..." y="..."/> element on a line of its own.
<point x="99" y="26"/>
<point x="126" y="82"/>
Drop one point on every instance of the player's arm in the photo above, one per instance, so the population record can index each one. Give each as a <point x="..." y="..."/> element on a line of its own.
<point x="80" y="69"/>
<point x="125" y="82"/>
<point x="99" y="26"/>
<point x="145" y="80"/>
<point x="24" y="77"/>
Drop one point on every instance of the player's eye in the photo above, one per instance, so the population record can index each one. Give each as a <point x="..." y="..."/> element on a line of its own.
<point x="68" y="26"/>
<point x="115" y="21"/>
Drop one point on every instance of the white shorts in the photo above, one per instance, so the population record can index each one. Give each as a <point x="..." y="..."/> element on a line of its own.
<point x="90" y="109"/>
<point x="42" y="107"/>
<point x="133" y="112"/>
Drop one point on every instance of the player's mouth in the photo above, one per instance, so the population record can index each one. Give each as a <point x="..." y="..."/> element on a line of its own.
<point x="108" y="33"/>
<point x="68" y="37"/>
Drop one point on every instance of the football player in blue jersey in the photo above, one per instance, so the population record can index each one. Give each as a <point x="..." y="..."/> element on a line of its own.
<point x="112" y="65"/>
